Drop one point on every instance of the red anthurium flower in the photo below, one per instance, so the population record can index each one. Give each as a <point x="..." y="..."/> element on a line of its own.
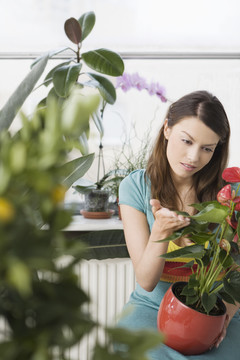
<point x="233" y="221"/>
<point x="226" y="196"/>
<point x="231" y="174"/>
<point x="236" y="239"/>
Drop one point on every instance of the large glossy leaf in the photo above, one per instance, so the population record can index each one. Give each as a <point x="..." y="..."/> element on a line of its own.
<point x="104" y="61"/>
<point x="64" y="78"/>
<point x="17" y="99"/>
<point x="50" y="54"/>
<point x="75" y="169"/>
<point x="201" y="206"/>
<point x="77" y="111"/>
<point x="83" y="142"/>
<point x="87" y="22"/>
<point x="192" y="251"/>
<point x="104" y="86"/>
<point x="213" y="213"/>
<point x="48" y="78"/>
<point x="73" y="30"/>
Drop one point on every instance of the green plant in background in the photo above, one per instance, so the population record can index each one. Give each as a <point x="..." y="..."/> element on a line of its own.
<point x="128" y="159"/>
<point x="40" y="296"/>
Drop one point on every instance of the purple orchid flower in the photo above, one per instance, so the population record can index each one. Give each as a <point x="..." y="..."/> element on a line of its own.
<point x="128" y="81"/>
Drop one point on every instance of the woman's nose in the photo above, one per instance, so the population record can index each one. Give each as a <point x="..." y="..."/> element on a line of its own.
<point x="193" y="154"/>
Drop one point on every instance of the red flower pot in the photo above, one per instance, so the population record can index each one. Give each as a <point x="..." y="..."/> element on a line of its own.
<point x="187" y="331"/>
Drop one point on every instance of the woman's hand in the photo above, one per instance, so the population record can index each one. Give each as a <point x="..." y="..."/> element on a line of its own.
<point x="167" y="221"/>
<point x="223" y="333"/>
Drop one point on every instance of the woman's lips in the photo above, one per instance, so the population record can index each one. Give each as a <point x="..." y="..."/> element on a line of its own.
<point x="188" y="167"/>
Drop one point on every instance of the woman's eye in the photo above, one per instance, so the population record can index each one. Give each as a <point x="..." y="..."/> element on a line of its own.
<point x="208" y="149"/>
<point x="188" y="142"/>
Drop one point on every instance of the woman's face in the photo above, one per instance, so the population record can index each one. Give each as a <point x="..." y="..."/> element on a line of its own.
<point x="190" y="147"/>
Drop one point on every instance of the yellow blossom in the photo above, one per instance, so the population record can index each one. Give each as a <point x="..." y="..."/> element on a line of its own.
<point x="58" y="193"/>
<point x="7" y="210"/>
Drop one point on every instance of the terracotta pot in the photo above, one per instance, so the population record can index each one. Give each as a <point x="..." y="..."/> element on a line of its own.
<point x="187" y="331"/>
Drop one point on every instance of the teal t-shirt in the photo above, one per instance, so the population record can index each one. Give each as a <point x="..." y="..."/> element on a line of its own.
<point x="135" y="191"/>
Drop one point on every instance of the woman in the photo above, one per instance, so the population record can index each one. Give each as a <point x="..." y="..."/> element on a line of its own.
<point x="185" y="167"/>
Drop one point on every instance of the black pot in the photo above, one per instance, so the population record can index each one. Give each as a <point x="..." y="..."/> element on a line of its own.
<point x="97" y="201"/>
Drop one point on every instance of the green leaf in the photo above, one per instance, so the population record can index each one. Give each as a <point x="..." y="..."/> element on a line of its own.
<point x="49" y="77"/>
<point x="226" y="297"/>
<point x="17" y="99"/>
<point x="138" y="341"/>
<point x="104" y="86"/>
<point x="77" y="111"/>
<point x="84" y="189"/>
<point x="214" y="213"/>
<point x="104" y="61"/>
<point x="192" y="251"/>
<point x="193" y="281"/>
<point x="191" y="299"/>
<point x="232" y="285"/>
<point x="73" y="30"/>
<point x="238" y="228"/>
<point x="200" y="238"/>
<point x="176" y="235"/>
<point x="64" y="78"/>
<point x="229" y="233"/>
<point x="62" y="219"/>
<point x="98" y="122"/>
<point x="208" y="301"/>
<point x="201" y="206"/>
<point x="188" y="291"/>
<point x="49" y="54"/>
<point x="225" y="259"/>
<point x="75" y="169"/>
<point x="83" y="142"/>
<point x="87" y="22"/>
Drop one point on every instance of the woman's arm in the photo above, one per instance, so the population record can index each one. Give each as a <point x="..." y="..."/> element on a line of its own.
<point x="142" y="246"/>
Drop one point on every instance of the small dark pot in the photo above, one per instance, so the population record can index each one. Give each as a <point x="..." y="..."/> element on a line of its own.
<point x="187" y="330"/>
<point x="97" y="201"/>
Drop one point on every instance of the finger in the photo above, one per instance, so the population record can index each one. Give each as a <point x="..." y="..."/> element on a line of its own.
<point x="155" y="203"/>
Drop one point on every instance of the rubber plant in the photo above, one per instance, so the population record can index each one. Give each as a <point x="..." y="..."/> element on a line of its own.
<point x="74" y="71"/>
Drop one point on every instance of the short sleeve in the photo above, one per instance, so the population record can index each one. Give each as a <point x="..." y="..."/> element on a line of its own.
<point x="133" y="190"/>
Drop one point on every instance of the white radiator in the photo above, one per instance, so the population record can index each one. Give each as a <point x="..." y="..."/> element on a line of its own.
<point x="109" y="284"/>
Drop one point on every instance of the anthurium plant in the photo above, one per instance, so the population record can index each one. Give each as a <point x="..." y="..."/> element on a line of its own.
<point x="214" y="231"/>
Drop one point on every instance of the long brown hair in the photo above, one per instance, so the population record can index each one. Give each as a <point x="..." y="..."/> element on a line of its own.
<point x="206" y="182"/>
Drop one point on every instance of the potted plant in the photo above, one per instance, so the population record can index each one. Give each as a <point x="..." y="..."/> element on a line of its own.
<point x="192" y="313"/>
<point x="71" y="73"/>
<point x="97" y="194"/>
